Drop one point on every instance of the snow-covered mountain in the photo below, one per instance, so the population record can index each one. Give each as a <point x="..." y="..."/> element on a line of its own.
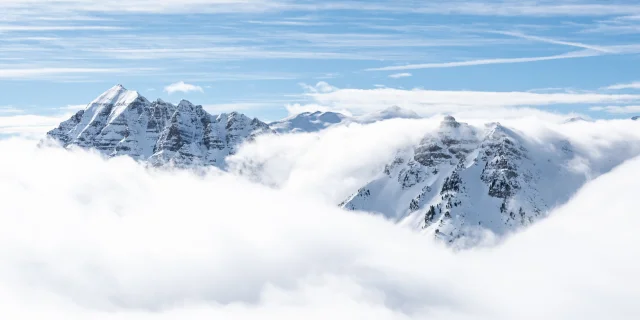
<point x="462" y="180"/>
<point x="308" y="122"/>
<point x="393" y="112"/>
<point x="316" y="121"/>
<point x="576" y="119"/>
<point x="122" y="122"/>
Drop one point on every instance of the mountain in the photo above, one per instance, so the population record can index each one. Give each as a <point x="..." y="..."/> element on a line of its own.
<point x="316" y="121"/>
<point x="308" y="122"/>
<point x="576" y="119"/>
<point x="122" y="122"/>
<point x="462" y="181"/>
<point x="394" y="112"/>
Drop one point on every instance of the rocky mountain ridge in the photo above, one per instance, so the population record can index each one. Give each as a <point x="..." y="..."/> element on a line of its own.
<point x="461" y="181"/>
<point x="122" y="122"/>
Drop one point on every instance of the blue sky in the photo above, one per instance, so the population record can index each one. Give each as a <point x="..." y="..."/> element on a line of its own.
<point x="271" y="58"/>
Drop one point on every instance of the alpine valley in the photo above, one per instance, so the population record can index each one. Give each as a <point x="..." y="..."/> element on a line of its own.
<point x="460" y="183"/>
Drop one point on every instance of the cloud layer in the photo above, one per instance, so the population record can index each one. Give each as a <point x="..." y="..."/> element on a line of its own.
<point x="429" y="102"/>
<point x="88" y="238"/>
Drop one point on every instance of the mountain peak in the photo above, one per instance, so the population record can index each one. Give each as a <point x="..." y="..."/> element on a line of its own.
<point x="117" y="95"/>
<point x="121" y="122"/>
<point x="576" y="119"/>
<point x="185" y="104"/>
<point x="449" y="122"/>
<point x="396" y="112"/>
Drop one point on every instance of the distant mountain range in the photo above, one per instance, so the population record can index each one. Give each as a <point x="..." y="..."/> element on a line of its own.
<point x="457" y="183"/>
<point x="122" y="122"/>
<point x="310" y="122"/>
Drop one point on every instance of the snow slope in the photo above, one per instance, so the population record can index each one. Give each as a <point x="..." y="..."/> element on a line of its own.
<point x="462" y="181"/>
<point x="122" y="122"/>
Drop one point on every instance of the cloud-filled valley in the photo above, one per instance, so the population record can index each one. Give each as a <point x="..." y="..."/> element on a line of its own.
<point x="305" y="159"/>
<point x="89" y="237"/>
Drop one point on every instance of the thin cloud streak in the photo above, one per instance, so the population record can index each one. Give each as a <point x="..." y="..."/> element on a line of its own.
<point x="29" y="73"/>
<point x="400" y="75"/>
<point x="428" y="102"/>
<point x="9" y="28"/>
<point x="553" y="41"/>
<point x="570" y="55"/>
<point x="622" y="86"/>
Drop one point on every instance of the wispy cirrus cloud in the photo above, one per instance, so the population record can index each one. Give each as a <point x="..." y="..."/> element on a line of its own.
<point x="30" y="73"/>
<point x="603" y="49"/>
<point x="479" y="62"/>
<point x="437" y="101"/>
<point x="183" y="87"/>
<point x="10" y="110"/>
<point x="469" y="7"/>
<point x="10" y="28"/>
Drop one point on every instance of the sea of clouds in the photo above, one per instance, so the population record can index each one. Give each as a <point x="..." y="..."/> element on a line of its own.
<point x="87" y="238"/>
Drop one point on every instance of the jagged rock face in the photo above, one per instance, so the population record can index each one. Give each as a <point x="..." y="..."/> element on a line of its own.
<point x="121" y="122"/>
<point x="462" y="180"/>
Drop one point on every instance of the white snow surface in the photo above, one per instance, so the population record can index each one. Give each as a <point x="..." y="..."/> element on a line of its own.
<point x="463" y="182"/>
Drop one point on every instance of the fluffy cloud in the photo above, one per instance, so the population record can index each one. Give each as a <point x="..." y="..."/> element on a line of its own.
<point x="113" y="240"/>
<point x="182" y="87"/>
<point x="27" y="125"/>
<point x="332" y="164"/>
<point x="320" y="87"/>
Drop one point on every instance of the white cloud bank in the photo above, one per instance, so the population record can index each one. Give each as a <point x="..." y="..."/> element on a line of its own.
<point x="618" y="109"/>
<point x="27" y="125"/>
<point x="84" y="238"/>
<point x="429" y="102"/>
<point x="622" y="86"/>
<point x="182" y="87"/>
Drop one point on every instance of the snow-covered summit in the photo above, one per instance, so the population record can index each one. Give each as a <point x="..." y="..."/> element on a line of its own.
<point x="122" y="122"/>
<point x="576" y="119"/>
<point x="461" y="181"/>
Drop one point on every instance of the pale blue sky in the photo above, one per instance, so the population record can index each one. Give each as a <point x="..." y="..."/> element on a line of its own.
<point x="261" y="56"/>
